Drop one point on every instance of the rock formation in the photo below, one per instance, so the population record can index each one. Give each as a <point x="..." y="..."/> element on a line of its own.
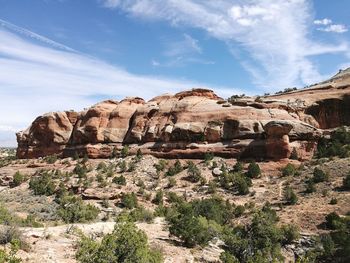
<point x="192" y="123"/>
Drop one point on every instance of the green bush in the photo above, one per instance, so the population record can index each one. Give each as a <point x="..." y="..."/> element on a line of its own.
<point x="10" y="256"/>
<point x="238" y="167"/>
<point x="319" y="176"/>
<point x="194" y="174"/>
<point x="129" y="200"/>
<point x="346" y="182"/>
<point x="294" y="154"/>
<point x="208" y="157"/>
<point x="333" y="201"/>
<point x="197" y="222"/>
<point x="18" y="179"/>
<point x="121" y="180"/>
<point x="160" y="166"/>
<point x="253" y="170"/>
<point x="80" y="170"/>
<point x="73" y="210"/>
<point x="337" y="145"/>
<point x="139" y="155"/>
<point x="241" y="184"/>
<point x="191" y="229"/>
<point x="50" y="159"/>
<point x="125" y="151"/>
<point x="126" y="244"/>
<point x="171" y="182"/>
<point x="310" y="187"/>
<point x="158" y="199"/>
<point x="142" y="214"/>
<point x="259" y="241"/>
<point x="289" y="170"/>
<point x="290" y="197"/>
<point x="42" y="184"/>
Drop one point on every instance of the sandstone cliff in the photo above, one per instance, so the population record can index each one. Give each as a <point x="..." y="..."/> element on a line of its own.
<point x="191" y="123"/>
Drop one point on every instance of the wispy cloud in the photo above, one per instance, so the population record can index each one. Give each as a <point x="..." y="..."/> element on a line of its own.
<point x="334" y="29"/>
<point x="181" y="52"/>
<point x="328" y="26"/>
<point x="187" y="45"/>
<point x="325" y="21"/>
<point x="274" y="33"/>
<point x="36" y="78"/>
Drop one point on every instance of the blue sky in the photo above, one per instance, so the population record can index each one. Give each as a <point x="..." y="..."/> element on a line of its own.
<point x="69" y="54"/>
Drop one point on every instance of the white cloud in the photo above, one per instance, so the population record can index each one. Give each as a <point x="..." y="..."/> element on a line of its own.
<point x="274" y="33"/>
<point x="181" y="52"/>
<point x="111" y="3"/>
<point x="329" y="26"/>
<point x="185" y="46"/>
<point x="324" y="22"/>
<point x="35" y="79"/>
<point x="334" y="29"/>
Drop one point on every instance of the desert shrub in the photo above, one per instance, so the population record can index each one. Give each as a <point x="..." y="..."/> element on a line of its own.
<point x="191" y="229"/>
<point x="139" y="155"/>
<point x="193" y="172"/>
<point x="18" y="179"/>
<point x="208" y="157"/>
<point x="289" y="170"/>
<point x="238" y="167"/>
<point x="336" y="244"/>
<point x="337" y="145"/>
<point x="289" y="233"/>
<point x="72" y="210"/>
<point x="241" y="184"/>
<point x="253" y="170"/>
<point x="132" y="167"/>
<point x="310" y="187"/>
<point x="171" y="182"/>
<point x="9" y="233"/>
<point x="42" y="184"/>
<point x="290" y="197"/>
<point x="174" y="198"/>
<point x="158" y="199"/>
<point x="129" y="200"/>
<point x="333" y="201"/>
<point x="319" y="176"/>
<point x="126" y="244"/>
<point x="211" y="187"/>
<point x="141" y="214"/>
<point x="294" y="154"/>
<point x="30" y="221"/>
<point x="80" y="170"/>
<point x="160" y="166"/>
<point x="122" y="166"/>
<point x="259" y="241"/>
<point x="239" y="210"/>
<point x="121" y="180"/>
<point x="333" y="221"/>
<point x="6" y="218"/>
<point x="10" y="256"/>
<point x="346" y="182"/>
<point x="50" y="159"/>
<point x="125" y="151"/>
<point x="197" y="222"/>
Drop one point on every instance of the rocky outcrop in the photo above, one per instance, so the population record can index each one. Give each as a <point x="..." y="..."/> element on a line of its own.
<point x="192" y="123"/>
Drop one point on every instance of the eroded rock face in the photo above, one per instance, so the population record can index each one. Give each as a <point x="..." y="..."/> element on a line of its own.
<point x="192" y="123"/>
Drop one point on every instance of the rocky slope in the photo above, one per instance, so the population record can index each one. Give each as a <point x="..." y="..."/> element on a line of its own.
<point x="191" y="123"/>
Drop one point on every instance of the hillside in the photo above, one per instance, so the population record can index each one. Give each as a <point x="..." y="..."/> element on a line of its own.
<point x="189" y="177"/>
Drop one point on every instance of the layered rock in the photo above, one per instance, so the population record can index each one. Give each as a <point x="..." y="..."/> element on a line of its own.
<point x="192" y="123"/>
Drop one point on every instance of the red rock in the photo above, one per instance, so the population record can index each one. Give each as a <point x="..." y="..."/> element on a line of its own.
<point x="192" y="123"/>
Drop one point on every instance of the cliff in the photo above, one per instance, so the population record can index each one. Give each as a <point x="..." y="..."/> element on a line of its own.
<point x="191" y="123"/>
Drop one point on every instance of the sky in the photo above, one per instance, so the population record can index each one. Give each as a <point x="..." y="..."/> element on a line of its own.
<point x="59" y="55"/>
